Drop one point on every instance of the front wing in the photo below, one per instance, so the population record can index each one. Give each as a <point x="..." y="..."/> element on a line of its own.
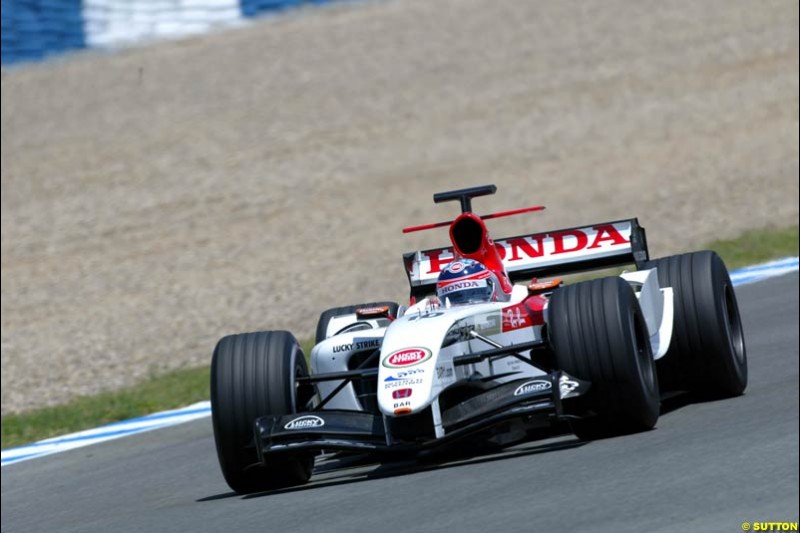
<point x="535" y="401"/>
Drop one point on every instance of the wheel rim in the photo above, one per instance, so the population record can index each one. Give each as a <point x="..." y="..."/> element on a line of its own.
<point x="734" y="324"/>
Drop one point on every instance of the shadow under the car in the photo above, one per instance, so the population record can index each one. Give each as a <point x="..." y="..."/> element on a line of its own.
<point x="671" y="402"/>
<point x="342" y="470"/>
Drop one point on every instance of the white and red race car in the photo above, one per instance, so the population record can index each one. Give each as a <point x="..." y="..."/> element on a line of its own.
<point x="599" y="354"/>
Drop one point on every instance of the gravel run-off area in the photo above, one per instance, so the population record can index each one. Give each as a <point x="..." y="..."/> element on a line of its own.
<point x="158" y="198"/>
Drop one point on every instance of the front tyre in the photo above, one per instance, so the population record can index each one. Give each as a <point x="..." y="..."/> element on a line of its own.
<point x="598" y="334"/>
<point x="252" y="375"/>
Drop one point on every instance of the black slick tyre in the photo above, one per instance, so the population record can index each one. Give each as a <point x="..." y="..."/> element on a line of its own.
<point x="326" y="316"/>
<point x="253" y="374"/>
<point x="598" y="334"/>
<point x="707" y="354"/>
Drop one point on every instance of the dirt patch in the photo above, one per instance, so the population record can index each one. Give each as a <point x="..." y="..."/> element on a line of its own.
<point x="156" y="199"/>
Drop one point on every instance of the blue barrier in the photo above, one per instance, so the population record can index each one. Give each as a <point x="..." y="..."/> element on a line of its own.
<point x="36" y="29"/>
<point x="252" y="8"/>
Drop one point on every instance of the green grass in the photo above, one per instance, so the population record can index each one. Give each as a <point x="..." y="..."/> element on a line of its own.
<point x="168" y="391"/>
<point x="184" y="387"/>
<point x="175" y="389"/>
<point x="757" y="246"/>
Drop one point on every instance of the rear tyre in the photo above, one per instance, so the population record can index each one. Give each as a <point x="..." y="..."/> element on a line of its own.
<point x="707" y="354"/>
<point x="253" y="374"/>
<point x="598" y="334"/>
<point x="326" y="316"/>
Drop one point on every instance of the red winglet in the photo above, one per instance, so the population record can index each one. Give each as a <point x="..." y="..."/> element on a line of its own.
<point x="426" y="226"/>
<point x="484" y="217"/>
<point x="513" y="212"/>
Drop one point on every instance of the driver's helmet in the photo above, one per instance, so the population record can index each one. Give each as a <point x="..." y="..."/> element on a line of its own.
<point x="466" y="281"/>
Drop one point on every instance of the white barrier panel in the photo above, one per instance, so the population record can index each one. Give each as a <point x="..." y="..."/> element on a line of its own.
<point x="118" y="23"/>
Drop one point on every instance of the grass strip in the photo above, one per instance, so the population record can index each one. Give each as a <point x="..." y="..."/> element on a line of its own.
<point x="183" y="387"/>
<point x="757" y="246"/>
<point x="158" y="393"/>
<point x="168" y="391"/>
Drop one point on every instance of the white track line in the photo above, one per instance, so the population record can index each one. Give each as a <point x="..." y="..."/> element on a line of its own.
<point x="105" y="433"/>
<point x="164" y="419"/>
<point x="764" y="270"/>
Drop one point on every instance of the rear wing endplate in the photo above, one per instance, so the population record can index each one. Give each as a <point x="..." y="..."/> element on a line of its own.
<point x="564" y="251"/>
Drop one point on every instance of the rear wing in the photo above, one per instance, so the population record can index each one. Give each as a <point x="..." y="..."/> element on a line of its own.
<point x="546" y="254"/>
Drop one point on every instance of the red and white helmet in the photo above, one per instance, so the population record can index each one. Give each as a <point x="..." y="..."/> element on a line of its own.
<point x="466" y="281"/>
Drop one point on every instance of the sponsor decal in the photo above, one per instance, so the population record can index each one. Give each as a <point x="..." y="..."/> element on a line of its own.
<point x="406" y="357"/>
<point x="404" y="378"/>
<point x="305" y="422"/>
<point x="562" y="242"/>
<point x="444" y="372"/>
<point x="398" y="405"/>
<point x="541" y="286"/>
<point x="444" y="290"/>
<point x="358" y="346"/>
<point x="456" y="267"/>
<point x="394" y="383"/>
<point x="567" y="386"/>
<point x="404" y="374"/>
<point x="371" y="312"/>
<point x="401" y="393"/>
<point x="532" y="249"/>
<point x="516" y="318"/>
<point x="530" y="387"/>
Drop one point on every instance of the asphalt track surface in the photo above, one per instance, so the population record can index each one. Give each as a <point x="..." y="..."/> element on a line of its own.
<point x="707" y="467"/>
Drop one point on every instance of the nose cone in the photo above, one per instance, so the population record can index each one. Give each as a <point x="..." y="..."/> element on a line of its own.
<point x="405" y="377"/>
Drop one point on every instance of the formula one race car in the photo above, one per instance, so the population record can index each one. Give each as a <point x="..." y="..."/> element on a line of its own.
<point x="486" y="353"/>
